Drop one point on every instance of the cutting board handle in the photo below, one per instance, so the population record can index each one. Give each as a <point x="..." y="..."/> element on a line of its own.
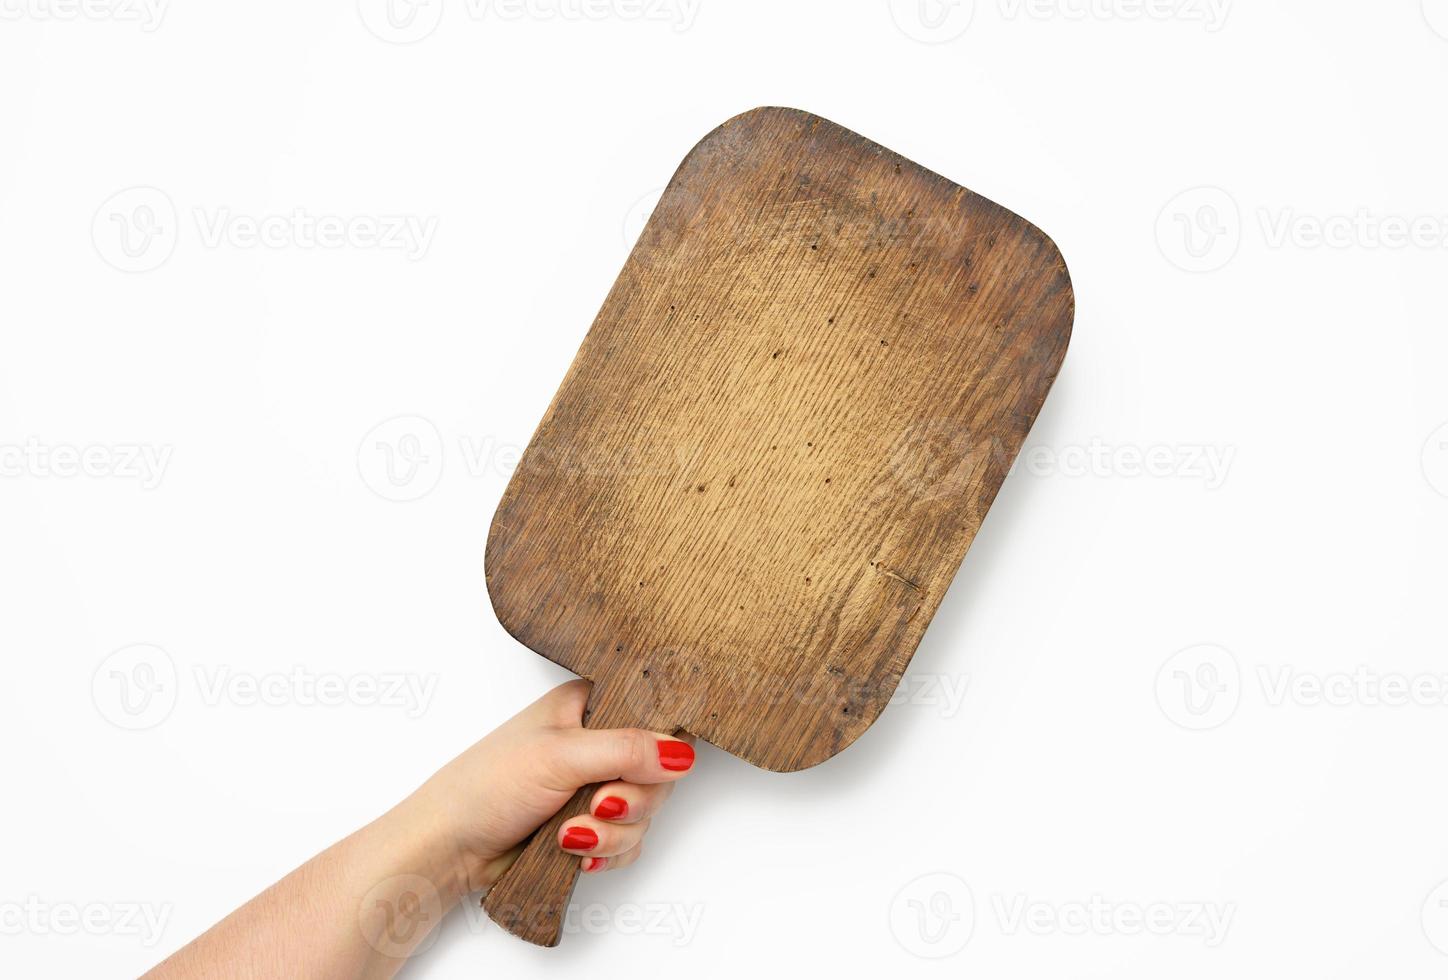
<point x="531" y="898"/>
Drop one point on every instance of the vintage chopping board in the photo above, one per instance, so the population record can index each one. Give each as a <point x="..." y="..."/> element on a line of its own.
<point x="772" y="451"/>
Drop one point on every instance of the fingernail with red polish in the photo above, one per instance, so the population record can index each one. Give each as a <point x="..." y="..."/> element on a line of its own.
<point x="611" y="808"/>
<point x="594" y="864"/>
<point x="676" y="756"/>
<point x="579" y="839"/>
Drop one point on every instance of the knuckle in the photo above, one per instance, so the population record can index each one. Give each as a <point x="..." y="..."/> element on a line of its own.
<point x="632" y="748"/>
<point x="555" y="760"/>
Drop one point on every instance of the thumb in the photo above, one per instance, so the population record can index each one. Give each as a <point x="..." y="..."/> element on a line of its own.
<point x="586" y="755"/>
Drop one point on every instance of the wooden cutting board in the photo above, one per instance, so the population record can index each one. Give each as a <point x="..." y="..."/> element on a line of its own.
<point x="772" y="451"/>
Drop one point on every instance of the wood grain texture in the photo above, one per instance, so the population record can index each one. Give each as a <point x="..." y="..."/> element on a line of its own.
<point x="777" y="441"/>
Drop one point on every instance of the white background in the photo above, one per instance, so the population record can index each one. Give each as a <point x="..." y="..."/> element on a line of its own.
<point x="1089" y="760"/>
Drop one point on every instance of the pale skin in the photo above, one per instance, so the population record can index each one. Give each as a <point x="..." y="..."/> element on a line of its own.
<point x="359" y="908"/>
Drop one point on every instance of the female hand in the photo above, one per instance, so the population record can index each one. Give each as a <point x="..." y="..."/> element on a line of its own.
<point x="365" y="904"/>
<point x="499" y="791"/>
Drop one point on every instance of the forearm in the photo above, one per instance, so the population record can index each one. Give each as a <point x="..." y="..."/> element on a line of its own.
<point x="362" y="906"/>
<point x="358" y="909"/>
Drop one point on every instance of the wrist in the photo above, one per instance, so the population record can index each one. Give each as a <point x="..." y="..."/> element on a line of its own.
<point x="426" y="826"/>
<point x="418" y="833"/>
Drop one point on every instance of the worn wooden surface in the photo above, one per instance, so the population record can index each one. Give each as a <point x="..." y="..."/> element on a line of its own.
<point x="773" y="448"/>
